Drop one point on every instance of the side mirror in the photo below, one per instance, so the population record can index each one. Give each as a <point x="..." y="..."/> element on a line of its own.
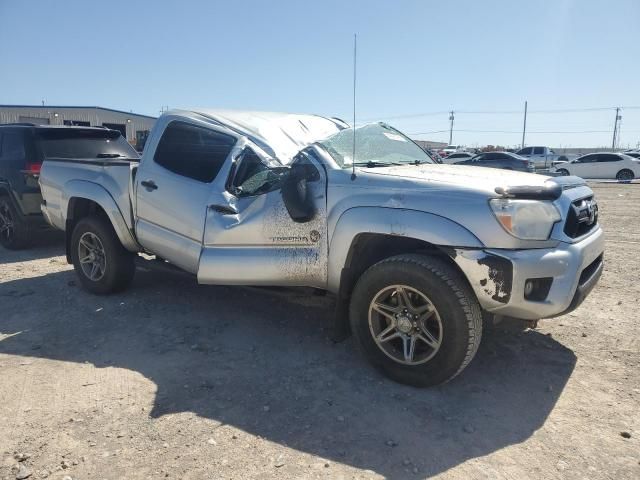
<point x="296" y="195"/>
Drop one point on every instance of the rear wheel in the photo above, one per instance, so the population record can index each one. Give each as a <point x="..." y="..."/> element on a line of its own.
<point x="102" y="264"/>
<point x="14" y="232"/>
<point x="563" y="172"/>
<point x="415" y="319"/>
<point x="625" y="174"/>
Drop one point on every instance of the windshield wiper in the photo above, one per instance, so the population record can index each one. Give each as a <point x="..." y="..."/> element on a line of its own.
<point x="109" y="155"/>
<point x="373" y="164"/>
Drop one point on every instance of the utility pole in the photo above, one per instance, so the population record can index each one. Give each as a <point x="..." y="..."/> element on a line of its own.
<point x="615" y="128"/>
<point x="524" y="127"/>
<point x="451" y="127"/>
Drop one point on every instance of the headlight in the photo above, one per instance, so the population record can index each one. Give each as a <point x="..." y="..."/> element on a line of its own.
<point x="525" y="219"/>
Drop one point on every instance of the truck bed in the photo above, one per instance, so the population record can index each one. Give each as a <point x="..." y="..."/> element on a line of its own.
<point x="114" y="176"/>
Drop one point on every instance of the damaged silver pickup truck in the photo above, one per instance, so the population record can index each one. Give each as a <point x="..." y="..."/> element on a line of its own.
<point x="415" y="252"/>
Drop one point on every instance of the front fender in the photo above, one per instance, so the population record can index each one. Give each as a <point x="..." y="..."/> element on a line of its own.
<point x="434" y="229"/>
<point x="97" y="193"/>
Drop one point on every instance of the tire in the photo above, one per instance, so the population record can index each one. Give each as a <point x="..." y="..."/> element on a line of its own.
<point x="14" y="231"/>
<point x="625" y="175"/>
<point x="563" y="172"/>
<point x="116" y="265"/>
<point x="455" y="328"/>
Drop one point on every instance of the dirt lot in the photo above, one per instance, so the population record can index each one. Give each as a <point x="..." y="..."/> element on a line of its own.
<point x="175" y="380"/>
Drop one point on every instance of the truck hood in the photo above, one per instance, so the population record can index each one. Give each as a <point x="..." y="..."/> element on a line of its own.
<point x="467" y="177"/>
<point x="280" y="135"/>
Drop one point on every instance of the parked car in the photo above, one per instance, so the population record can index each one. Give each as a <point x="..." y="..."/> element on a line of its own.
<point x="505" y="160"/>
<point x="22" y="150"/>
<point x="434" y="156"/>
<point x="457" y="157"/>
<point x="603" y="165"/>
<point x="634" y="154"/>
<point x="449" y="149"/>
<point x="542" y="157"/>
<point x="413" y="251"/>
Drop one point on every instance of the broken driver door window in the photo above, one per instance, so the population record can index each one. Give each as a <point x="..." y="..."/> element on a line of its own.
<point x="254" y="177"/>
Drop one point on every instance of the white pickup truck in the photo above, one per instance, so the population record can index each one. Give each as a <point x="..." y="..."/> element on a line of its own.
<point x="414" y="252"/>
<point x="543" y="157"/>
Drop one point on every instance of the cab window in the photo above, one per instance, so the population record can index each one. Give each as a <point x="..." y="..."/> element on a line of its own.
<point x="193" y="152"/>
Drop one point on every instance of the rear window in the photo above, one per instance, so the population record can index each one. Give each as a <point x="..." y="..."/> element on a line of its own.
<point x="13" y="144"/>
<point x="78" y="143"/>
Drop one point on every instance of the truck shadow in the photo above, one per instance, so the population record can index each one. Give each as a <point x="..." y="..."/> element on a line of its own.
<point x="45" y="244"/>
<point x="242" y="349"/>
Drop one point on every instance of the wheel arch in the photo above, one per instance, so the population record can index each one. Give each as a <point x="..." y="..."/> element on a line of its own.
<point x="82" y="198"/>
<point x="625" y="169"/>
<point x="365" y="235"/>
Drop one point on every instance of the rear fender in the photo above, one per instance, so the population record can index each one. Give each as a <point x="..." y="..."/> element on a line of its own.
<point x="98" y="194"/>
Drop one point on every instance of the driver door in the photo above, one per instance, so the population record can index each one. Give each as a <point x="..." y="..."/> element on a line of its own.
<point x="250" y="238"/>
<point x="585" y="167"/>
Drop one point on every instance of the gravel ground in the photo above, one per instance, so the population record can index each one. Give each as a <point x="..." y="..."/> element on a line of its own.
<point x="175" y="380"/>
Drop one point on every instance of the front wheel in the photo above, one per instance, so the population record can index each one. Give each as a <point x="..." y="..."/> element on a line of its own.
<point x="415" y="319"/>
<point x="625" y="175"/>
<point x="563" y="172"/>
<point x="102" y="264"/>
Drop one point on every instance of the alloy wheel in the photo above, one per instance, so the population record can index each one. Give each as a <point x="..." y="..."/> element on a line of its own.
<point x="6" y="222"/>
<point x="625" y="175"/>
<point x="405" y="324"/>
<point x="92" y="256"/>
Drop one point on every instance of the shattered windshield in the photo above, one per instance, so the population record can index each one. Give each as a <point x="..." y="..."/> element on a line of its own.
<point x="377" y="144"/>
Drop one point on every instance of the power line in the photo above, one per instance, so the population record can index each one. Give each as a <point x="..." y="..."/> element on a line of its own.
<point x="502" y="112"/>
<point x="518" y="131"/>
<point x="410" y="115"/>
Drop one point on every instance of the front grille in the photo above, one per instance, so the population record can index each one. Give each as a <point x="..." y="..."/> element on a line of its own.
<point x="582" y="217"/>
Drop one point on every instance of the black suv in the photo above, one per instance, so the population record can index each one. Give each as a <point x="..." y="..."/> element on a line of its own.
<point x="23" y="147"/>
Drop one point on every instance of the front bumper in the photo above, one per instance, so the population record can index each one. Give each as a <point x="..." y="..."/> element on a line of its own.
<point x="498" y="276"/>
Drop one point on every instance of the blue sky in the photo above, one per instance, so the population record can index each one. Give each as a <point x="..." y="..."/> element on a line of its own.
<point x="413" y="57"/>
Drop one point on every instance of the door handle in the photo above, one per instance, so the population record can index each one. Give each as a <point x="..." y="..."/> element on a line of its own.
<point x="223" y="209"/>
<point x="149" y="185"/>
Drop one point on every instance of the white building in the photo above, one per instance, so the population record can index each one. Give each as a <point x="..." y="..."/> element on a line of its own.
<point x="134" y="127"/>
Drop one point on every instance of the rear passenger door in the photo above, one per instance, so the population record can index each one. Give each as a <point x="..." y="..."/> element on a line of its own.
<point x="539" y="157"/>
<point x="607" y="165"/>
<point x="173" y="189"/>
<point x="13" y="159"/>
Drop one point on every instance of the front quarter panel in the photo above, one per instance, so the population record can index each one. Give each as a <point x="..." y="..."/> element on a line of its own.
<point x="424" y="226"/>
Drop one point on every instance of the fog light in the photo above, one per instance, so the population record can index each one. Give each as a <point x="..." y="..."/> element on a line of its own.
<point x="537" y="289"/>
<point x="528" y="288"/>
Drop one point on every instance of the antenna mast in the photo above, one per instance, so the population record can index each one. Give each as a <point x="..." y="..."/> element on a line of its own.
<point x="353" y="153"/>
